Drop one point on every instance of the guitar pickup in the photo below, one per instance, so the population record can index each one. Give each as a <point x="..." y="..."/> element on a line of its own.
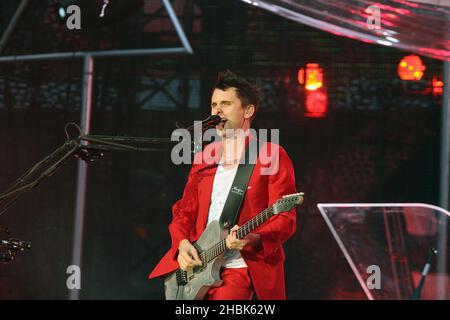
<point x="181" y="277"/>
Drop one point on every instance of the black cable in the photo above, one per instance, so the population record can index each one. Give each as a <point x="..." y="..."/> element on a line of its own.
<point x="67" y="134"/>
<point x="9" y="198"/>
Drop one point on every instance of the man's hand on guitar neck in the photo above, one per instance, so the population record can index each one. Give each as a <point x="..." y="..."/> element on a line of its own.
<point x="187" y="255"/>
<point x="233" y="243"/>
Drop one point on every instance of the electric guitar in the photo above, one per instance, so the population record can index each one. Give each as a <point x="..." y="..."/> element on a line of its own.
<point x="194" y="283"/>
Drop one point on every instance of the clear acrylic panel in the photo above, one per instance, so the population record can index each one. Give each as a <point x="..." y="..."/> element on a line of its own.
<point x="390" y="246"/>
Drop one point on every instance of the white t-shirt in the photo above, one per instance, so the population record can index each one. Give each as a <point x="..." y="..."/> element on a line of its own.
<point x="221" y="187"/>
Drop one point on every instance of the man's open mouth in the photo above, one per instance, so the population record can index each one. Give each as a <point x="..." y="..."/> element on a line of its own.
<point x="222" y="122"/>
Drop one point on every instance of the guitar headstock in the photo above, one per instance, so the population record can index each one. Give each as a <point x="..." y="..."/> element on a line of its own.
<point x="287" y="202"/>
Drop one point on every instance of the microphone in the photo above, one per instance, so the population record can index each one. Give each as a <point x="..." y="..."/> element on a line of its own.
<point x="426" y="269"/>
<point x="209" y="122"/>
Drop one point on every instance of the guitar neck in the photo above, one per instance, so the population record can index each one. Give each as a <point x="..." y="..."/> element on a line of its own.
<point x="244" y="230"/>
<point x="254" y="223"/>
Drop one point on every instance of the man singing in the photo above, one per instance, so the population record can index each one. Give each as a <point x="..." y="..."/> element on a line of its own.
<point x="255" y="263"/>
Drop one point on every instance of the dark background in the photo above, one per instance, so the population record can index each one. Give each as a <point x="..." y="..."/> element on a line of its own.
<point x="379" y="141"/>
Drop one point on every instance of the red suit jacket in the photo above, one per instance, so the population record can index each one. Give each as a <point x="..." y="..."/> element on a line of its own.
<point x="265" y="261"/>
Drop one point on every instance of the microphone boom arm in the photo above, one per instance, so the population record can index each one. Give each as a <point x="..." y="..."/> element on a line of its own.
<point x="85" y="147"/>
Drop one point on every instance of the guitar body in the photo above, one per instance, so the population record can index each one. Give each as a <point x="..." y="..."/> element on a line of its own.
<point x="200" y="279"/>
<point x="195" y="283"/>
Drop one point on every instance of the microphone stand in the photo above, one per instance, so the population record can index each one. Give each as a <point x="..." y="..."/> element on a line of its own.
<point x="426" y="269"/>
<point x="85" y="147"/>
<point x="88" y="148"/>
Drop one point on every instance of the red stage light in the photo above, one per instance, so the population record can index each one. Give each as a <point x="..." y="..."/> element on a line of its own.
<point x="316" y="104"/>
<point x="301" y="76"/>
<point x="411" y="68"/>
<point x="438" y="86"/>
<point x="311" y="76"/>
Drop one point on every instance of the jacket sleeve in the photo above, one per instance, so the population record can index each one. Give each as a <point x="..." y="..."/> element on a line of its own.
<point x="279" y="228"/>
<point x="184" y="212"/>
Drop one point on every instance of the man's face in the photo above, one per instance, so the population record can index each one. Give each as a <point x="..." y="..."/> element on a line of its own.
<point x="227" y="105"/>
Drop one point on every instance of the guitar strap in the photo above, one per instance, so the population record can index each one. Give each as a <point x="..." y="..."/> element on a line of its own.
<point x="239" y="186"/>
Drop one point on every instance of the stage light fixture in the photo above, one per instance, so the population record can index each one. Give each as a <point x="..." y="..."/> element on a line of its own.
<point x="438" y="86"/>
<point x="311" y="76"/>
<point x="411" y="68"/>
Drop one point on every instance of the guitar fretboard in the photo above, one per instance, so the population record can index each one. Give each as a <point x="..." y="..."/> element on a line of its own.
<point x="244" y="230"/>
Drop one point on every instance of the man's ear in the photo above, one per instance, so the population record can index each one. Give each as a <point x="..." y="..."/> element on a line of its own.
<point x="249" y="111"/>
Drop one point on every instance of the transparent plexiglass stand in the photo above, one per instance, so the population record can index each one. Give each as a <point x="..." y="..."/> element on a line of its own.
<point x="397" y="251"/>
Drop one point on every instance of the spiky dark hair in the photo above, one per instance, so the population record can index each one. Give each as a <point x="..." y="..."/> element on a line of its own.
<point x="247" y="92"/>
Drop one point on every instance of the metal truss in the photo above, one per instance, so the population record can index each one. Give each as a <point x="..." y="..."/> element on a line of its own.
<point x="86" y="111"/>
